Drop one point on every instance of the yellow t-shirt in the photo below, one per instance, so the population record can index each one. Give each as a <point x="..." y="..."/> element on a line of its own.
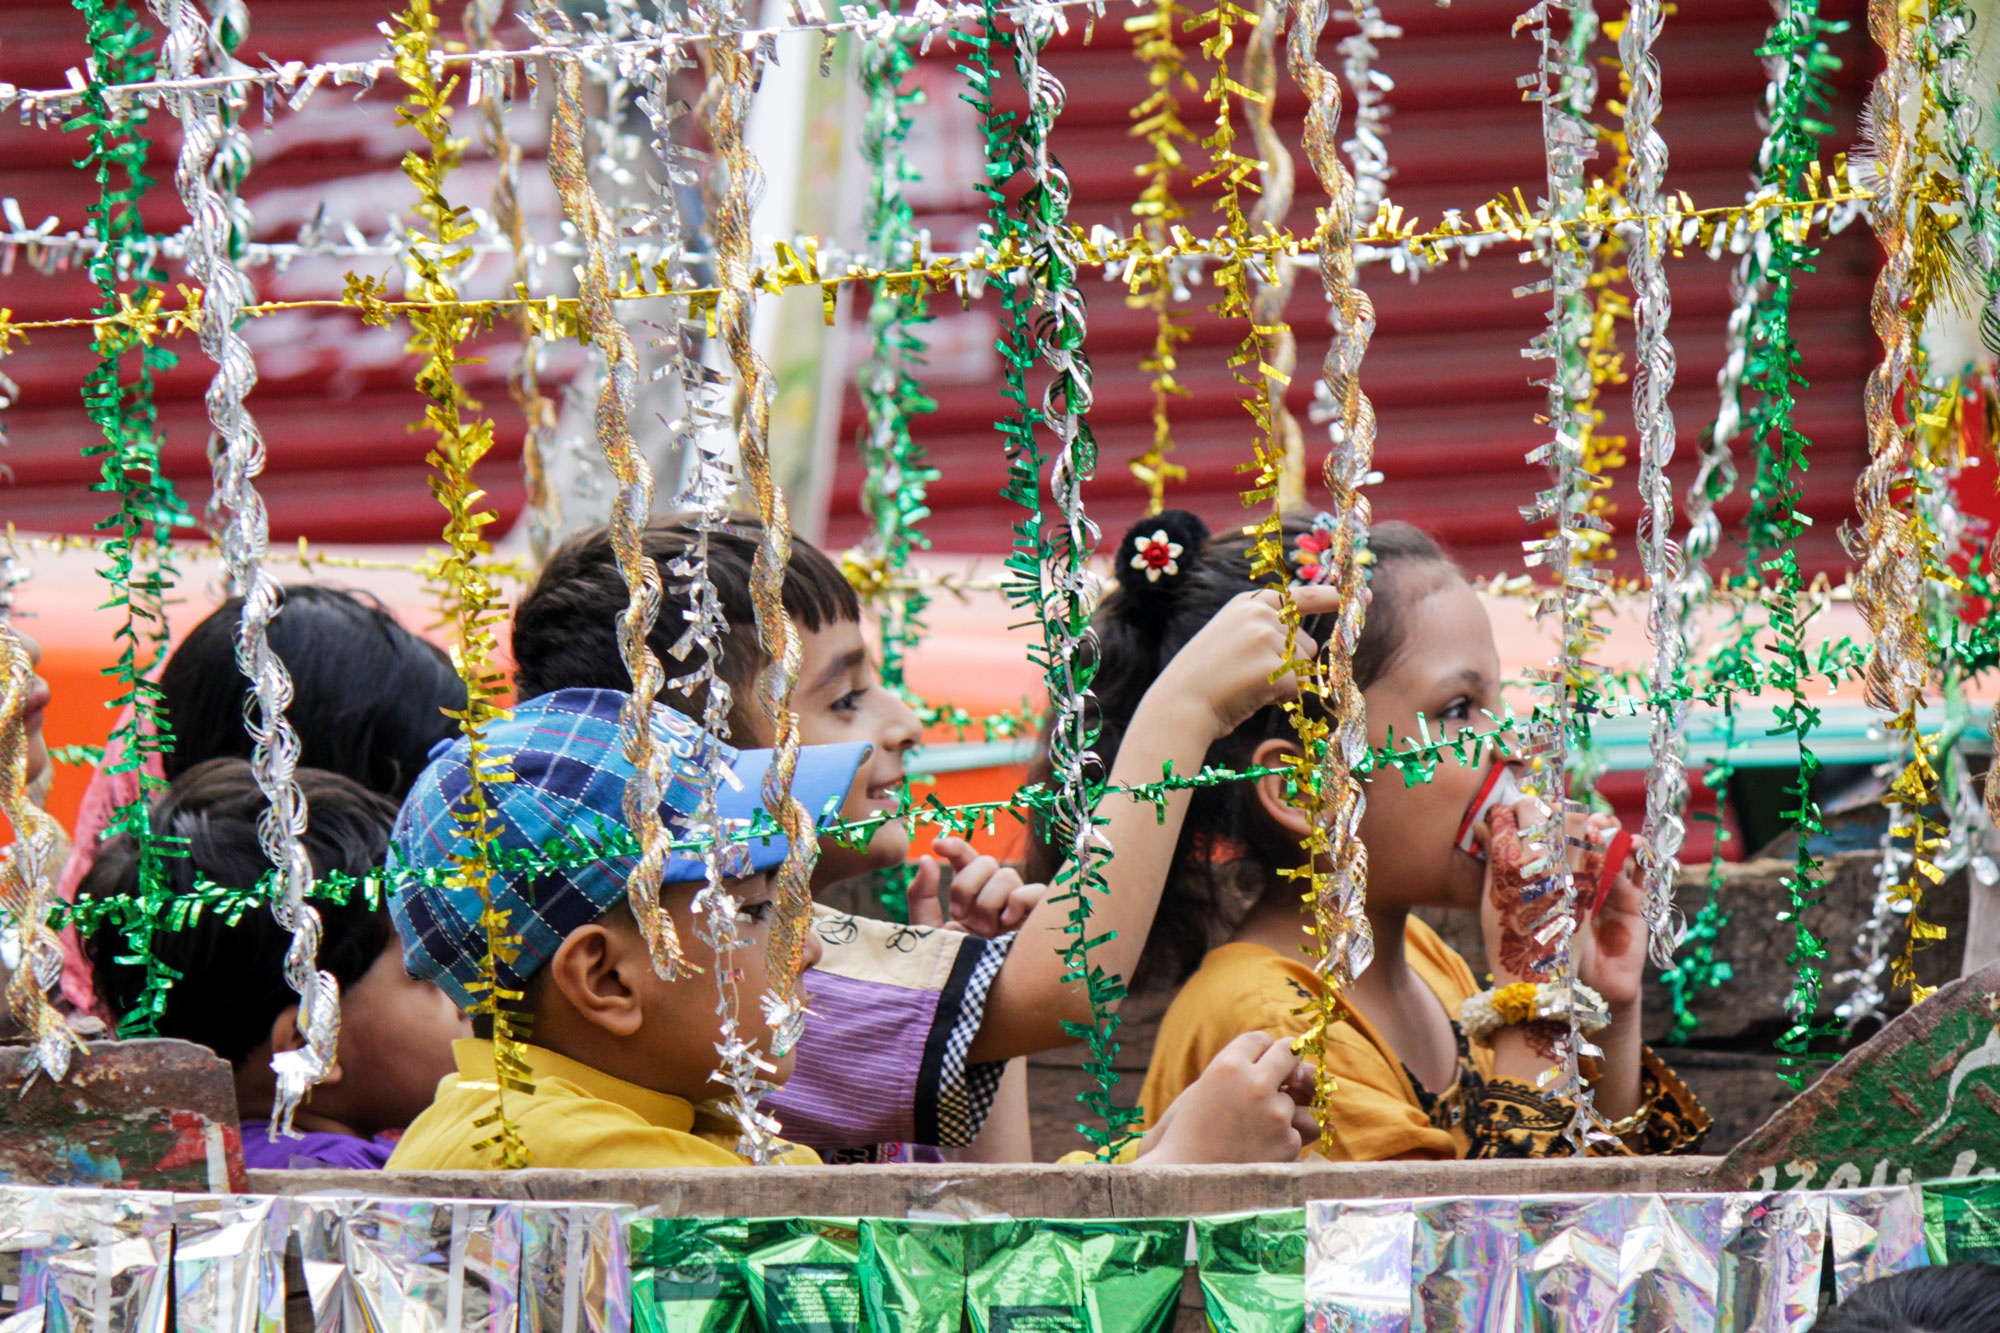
<point x="1378" y="1114"/>
<point x="577" y="1117"/>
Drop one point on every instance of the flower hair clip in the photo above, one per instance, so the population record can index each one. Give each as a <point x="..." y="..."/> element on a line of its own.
<point x="1156" y="555"/>
<point x="1309" y="552"/>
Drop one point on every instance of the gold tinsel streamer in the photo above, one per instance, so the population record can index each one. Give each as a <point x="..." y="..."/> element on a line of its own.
<point x="1160" y="125"/>
<point x="735" y="78"/>
<point x="587" y="214"/>
<point x="1340" y="929"/>
<point x="28" y="871"/>
<point x="467" y="599"/>
<point x="1509" y="218"/>
<point x="1894" y="545"/>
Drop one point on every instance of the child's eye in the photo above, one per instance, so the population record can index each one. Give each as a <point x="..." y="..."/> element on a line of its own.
<point x="754" y="912"/>
<point x="849" y="701"/>
<point x="1458" y="710"/>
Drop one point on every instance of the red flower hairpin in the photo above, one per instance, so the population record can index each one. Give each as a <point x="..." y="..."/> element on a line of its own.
<point x="1309" y="562"/>
<point x="1156" y="555"/>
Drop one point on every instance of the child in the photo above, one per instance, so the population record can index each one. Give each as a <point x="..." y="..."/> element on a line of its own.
<point x="941" y="1010"/>
<point x="369" y="700"/>
<point x="1411" y="1085"/>
<point x="622" y="1060"/>
<point x="229" y="991"/>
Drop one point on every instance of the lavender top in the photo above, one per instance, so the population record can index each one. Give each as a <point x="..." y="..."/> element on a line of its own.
<point x="881" y="1065"/>
<point x="262" y="1151"/>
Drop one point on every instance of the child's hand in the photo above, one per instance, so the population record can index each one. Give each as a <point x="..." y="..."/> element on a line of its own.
<point x="1610" y="946"/>
<point x="1227" y="667"/>
<point x="1609" y="949"/>
<point x="987" y="898"/>
<point x="1252" y="1104"/>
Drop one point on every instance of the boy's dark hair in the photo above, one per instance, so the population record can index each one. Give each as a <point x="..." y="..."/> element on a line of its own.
<point x="368" y="696"/>
<point x="231" y="985"/>
<point x="1140" y="627"/>
<point x="566" y="627"/>
<point x="1953" y="1298"/>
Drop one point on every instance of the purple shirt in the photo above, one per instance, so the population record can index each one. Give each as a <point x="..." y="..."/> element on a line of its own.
<point x="314" y="1148"/>
<point x="881" y="1064"/>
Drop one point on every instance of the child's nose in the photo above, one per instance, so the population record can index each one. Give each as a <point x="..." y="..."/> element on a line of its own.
<point x="811" y="953"/>
<point x="905" y="728"/>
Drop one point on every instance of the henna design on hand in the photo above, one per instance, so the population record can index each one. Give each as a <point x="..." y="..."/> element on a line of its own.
<point x="1519" y="951"/>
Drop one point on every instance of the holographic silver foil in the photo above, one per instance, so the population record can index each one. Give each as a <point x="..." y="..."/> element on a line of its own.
<point x="1670" y="1253"/>
<point x="1773" y="1252"/>
<point x="576" y="1270"/>
<point x="25" y="1237"/>
<point x="229" y="1263"/>
<point x="419" y="1265"/>
<point x="107" y="1261"/>
<point x="1462" y="1263"/>
<point x="1358" y="1277"/>
<point x="1873" y="1233"/>
<point x="1571" y="1271"/>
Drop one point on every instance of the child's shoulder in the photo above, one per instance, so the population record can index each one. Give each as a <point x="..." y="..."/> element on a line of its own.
<point x="1254" y="986"/>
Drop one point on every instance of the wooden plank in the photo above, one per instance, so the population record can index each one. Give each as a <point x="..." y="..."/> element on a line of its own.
<point x="150" y="1114"/>
<point x="1917" y="1101"/>
<point x="1018" y="1191"/>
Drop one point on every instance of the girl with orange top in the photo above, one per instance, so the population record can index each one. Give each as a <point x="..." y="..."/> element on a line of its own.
<point x="1428" y="1063"/>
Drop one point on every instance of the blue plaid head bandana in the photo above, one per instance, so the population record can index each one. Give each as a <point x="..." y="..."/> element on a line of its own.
<point x="561" y="851"/>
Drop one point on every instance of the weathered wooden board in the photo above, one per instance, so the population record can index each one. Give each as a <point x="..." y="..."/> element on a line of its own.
<point x="1919" y="1100"/>
<point x="141" y="1114"/>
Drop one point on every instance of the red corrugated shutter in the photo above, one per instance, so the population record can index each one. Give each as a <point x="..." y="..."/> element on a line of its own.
<point x="334" y="399"/>
<point x="1445" y="371"/>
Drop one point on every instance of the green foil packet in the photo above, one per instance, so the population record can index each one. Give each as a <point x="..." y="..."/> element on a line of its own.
<point x="1253" y="1270"/>
<point x="1074" y="1277"/>
<point x="1962" y="1220"/>
<point x="688" y="1275"/>
<point x="913" y="1274"/>
<point x="805" y="1274"/>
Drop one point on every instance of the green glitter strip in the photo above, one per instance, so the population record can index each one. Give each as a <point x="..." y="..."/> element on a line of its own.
<point x="140" y="569"/>
<point x="894" y="497"/>
<point x="1017" y="147"/>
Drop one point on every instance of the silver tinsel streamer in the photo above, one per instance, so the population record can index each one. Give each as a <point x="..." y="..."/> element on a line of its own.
<point x="494" y="93"/>
<point x="1366" y="151"/>
<point x="700" y="437"/>
<point x="1652" y="380"/>
<point x="1566" y="88"/>
<point x="215" y="154"/>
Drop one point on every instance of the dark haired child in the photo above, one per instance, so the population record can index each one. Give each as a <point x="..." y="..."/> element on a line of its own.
<point x="1415" y="1081"/>
<point x="941" y="1010"/>
<point x="229" y="993"/>
<point x="1950" y="1298"/>
<point x="369" y="700"/>
<point x="623" y="1061"/>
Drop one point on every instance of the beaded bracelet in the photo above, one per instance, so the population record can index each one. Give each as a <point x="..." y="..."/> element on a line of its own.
<point x="1530" y="1001"/>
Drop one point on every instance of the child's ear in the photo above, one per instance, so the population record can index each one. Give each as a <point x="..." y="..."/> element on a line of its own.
<point x="1271" y="796"/>
<point x="591" y="969"/>
<point x="286" y="1036"/>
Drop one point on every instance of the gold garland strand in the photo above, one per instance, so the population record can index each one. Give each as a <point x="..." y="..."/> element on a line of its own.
<point x="643" y="792"/>
<point x="1159" y="123"/>
<point x="1340" y="929"/>
<point x="1274" y="277"/>
<point x="538" y="411"/>
<point x="28" y="872"/>
<point x="467" y="599"/>
<point x="1893" y="546"/>
<point x="735" y="78"/>
<point x="1684" y="226"/>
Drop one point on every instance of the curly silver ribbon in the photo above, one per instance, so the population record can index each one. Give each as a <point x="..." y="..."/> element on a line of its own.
<point x="1652" y="379"/>
<point x="1566" y="87"/>
<point x="1365" y="147"/>
<point x="214" y="156"/>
